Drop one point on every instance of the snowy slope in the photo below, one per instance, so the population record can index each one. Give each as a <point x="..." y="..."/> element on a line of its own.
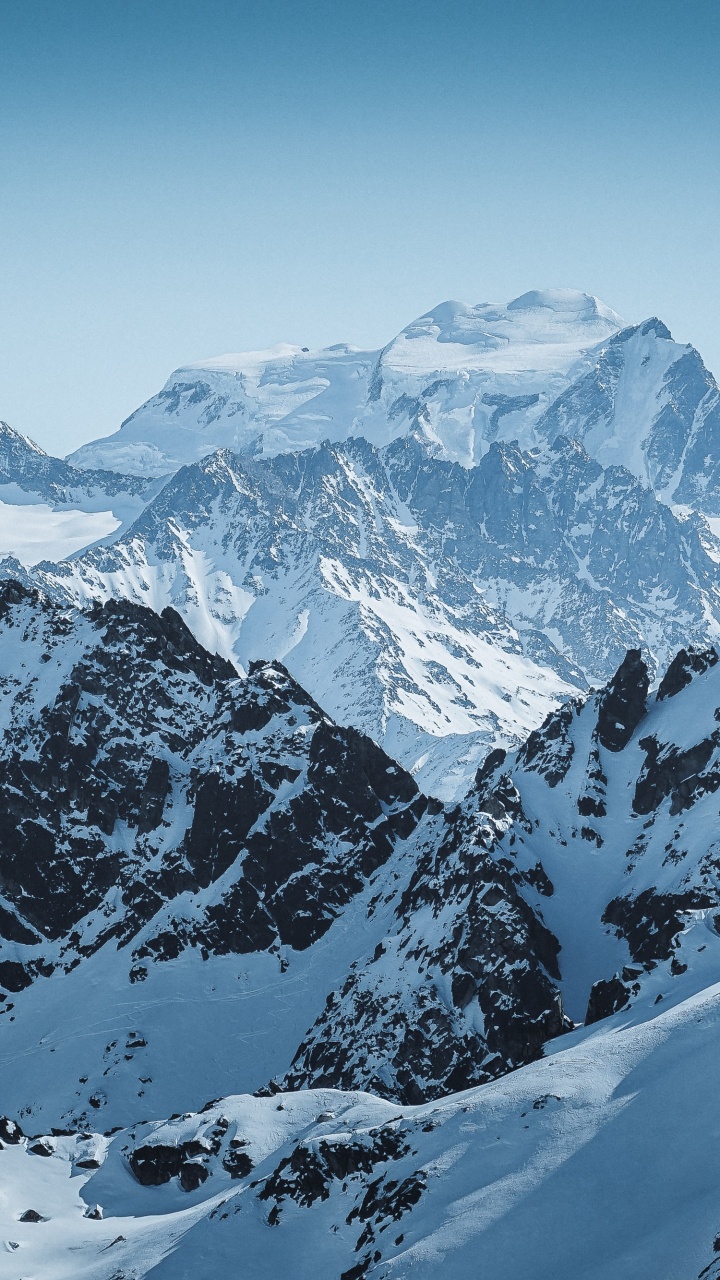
<point x="476" y="365"/>
<point x="194" y="854"/>
<point x="616" y="799"/>
<point x="601" y="1161"/>
<point x="467" y="376"/>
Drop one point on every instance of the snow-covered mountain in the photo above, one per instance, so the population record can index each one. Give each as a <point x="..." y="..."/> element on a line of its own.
<point x="441" y="609"/>
<point x="197" y="865"/>
<point x="173" y="828"/>
<point x="648" y="404"/>
<point x="210" y="858"/>
<point x="262" y="996"/>
<point x="490" y="530"/>
<point x="553" y="362"/>
<point x="465" y="369"/>
<point x="318" y="561"/>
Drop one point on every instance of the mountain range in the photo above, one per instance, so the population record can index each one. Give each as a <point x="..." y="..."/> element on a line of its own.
<point x="359" y="759"/>
<point x="474" y="522"/>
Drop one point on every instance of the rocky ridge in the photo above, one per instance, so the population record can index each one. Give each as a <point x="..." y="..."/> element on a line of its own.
<point x="440" y="609"/>
<point x="175" y="830"/>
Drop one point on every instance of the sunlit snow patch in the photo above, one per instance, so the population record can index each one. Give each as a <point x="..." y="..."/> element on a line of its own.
<point x="37" y="532"/>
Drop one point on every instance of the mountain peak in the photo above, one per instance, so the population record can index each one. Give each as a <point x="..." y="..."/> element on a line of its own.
<point x="9" y="435"/>
<point x="567" y="303"/>
<point x="554" y="316"/>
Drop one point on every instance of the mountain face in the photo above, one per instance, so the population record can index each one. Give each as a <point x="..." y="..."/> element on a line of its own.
<point x="501" y="507"/>
<point x="317" y="560"/>
<point x="178" y="834"/>
<point x="608" y="814"/>
<point x="179" y="838"/>
<point x="206" y="880"/>
<point x="359" y="774"/>
<point x="649" y="404"/>
<point x="440" y="609"/>
<point x="26" y="466"/>
<point x="548" y="364"/>
<point x="615" y="798"/>
<point x="439" y="540"/>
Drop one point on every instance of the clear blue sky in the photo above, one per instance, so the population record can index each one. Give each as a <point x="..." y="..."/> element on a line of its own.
<point x="181" y="178"/>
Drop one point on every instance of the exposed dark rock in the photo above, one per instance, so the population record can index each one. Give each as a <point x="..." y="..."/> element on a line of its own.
<point x="539" y="879"/>
<point x="668" y="771"/>
<point x="489" y="767"/>
<point x="651" y="921"/>
<point x="685" y="664"/>
<point x="31" y="1215"/>
<point x="623" y="704"/>
<point x="142" y="699"/>
<point x="192" y="1175"/>
<point x="388" y="1200"/>
<point x="591" y="807"/>
<point x="237" y="1162"/>
<point x="155" y="1164"/>
<point x="14" y="976"/>
<point x="464" y="987"/>
<point x="307" y="1174"/>
<point x="41" y="1148"/>
<point x="10" y="1131"/>
<point x="549" y="749"/>
<point x="498" y="953"/>
<point x="14" y="929"/>
<point x="607" y="996"/>
<point x="593" y="836"/>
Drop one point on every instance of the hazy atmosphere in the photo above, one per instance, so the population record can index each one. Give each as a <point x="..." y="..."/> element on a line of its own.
<point x="181" y="180"/>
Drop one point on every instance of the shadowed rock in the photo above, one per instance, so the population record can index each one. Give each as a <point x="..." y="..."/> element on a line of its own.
<point x="624" y="702"/>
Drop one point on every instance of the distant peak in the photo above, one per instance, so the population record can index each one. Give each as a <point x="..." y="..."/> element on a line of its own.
<point x="9" y="433"/>
<point x="653" y="325"/>
<point x="446" y="312"/>
<point x="556" y="317"/>
<point x="566" y="302"/>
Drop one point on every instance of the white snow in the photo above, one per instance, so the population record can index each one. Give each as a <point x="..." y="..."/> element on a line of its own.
<point x="35" y="531"/>
<point x="601" y="1161"/>
<point x="286" y="398"/>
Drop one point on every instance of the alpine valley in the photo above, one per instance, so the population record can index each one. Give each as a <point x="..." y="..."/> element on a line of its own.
<point x="359" y="811"/>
